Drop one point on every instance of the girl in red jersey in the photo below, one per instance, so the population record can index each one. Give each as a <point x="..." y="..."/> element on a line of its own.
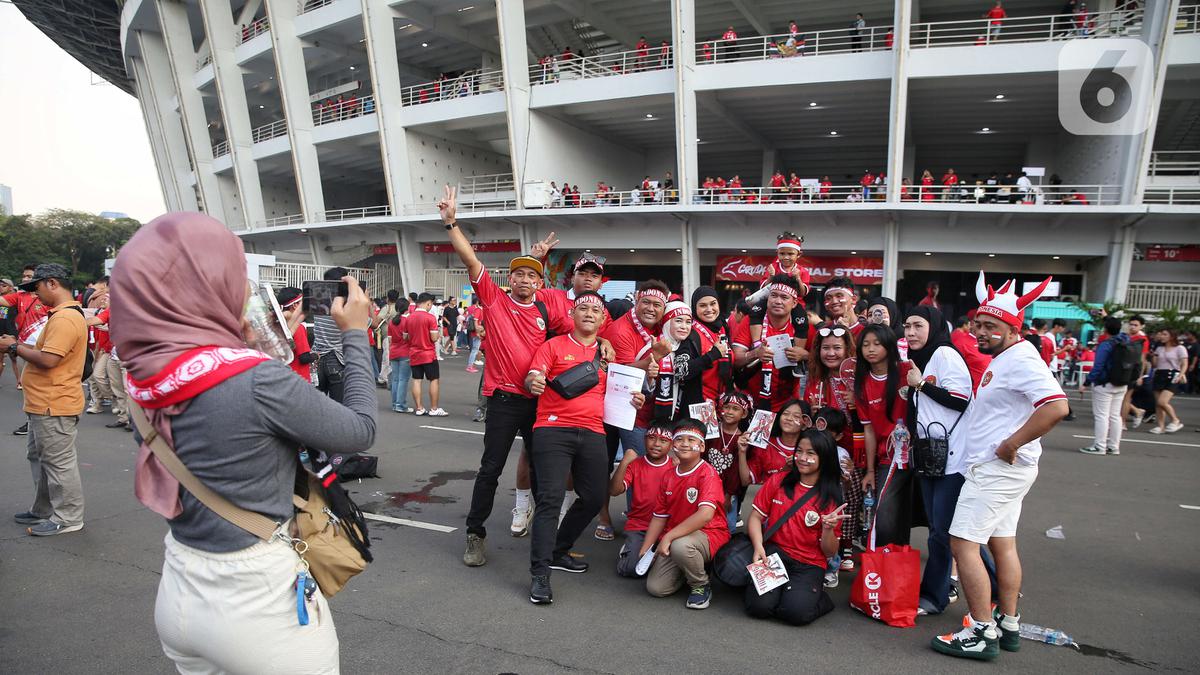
<point x="881" y="393"/>
<point x="794" y="417"/>
<point x="806" y="539"/>
<point x="827" y="387"/>
<point x="722" y="451"/>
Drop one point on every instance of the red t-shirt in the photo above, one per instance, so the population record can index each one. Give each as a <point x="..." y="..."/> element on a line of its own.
<point x="780" y="394"/>
<point x="514" y="330"/>
<point x="766" y="462"/>
<point x="559" y="304"/>
<point x="398" y="348"/>
<point x="968" y="346"/>
<point x="30" y="312"/>
<point x="585" y="411"/>
<point x="103" y="340"/>
<point x="680" y="495"/>
<point x="643" y="479"/>
<point x="418" y="325"/>
<point x="820" y="393"/>
<point x="630" y="347"/>
<point x="710" y="381"/>
<point x="300" y="338"/>
<point x="721" y="453"/>
<point x="777" y="180"/>
<point x="873" y="410"/>
<point x="996" y="13"/>
<point x="867" y="180"/>
<point x="797" y="538"/>
<point x="1047" y="350"/>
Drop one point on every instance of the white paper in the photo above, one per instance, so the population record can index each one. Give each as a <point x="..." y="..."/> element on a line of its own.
<point x="644" y="563"/>
<point x="623" y="382"/>
<point x="760" y="428"/>
<point x="707" y="413"/>
<point x="778" y="343"/>
<point x="769" y="575"/>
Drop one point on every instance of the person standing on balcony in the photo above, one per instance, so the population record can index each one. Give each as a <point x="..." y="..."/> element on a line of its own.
<point x="996" y="16"/>
<point x="950" y="182"/>
<point x="668" y="188"/>
<point x="926" y="186"/>
<point x="856" y="30"/>
<point x="664" y="55"/>
<point x="727" y="48"/>
<point x="643" y="54"/>
<point x="866" y="182"/>
<point x="778" y="186"/>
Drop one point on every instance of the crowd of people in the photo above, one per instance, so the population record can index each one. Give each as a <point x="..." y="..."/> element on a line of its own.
<point x="648" y="191"/>
<point x="342" y="107"/>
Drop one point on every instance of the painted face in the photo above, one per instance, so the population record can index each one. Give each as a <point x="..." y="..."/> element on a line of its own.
<point x="708" y="309"/>
<point x="657" y="447"/>
<point x="687" y="449"/>
<point x="916" y="331"/>
<point x="806" y="459"/>
<point x="792" y="420"/>
<point x="990" y="333"/>
<point x="839" y="302"/>
<point x="524" y="282"/>
<point x="732" y="414"/>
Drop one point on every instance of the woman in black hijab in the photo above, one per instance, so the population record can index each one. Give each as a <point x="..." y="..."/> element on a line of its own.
<point x="709" y="329"/>
<point x="939" y="387"/>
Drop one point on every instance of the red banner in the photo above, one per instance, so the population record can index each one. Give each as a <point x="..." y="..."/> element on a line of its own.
<point x="512" y="246"/>
<point x="1188" y="253"/>
<point x="862" y="271"/>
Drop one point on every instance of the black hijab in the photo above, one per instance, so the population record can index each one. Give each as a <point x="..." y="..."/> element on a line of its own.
<point x="698" y="295"/>
<point x="895" y="321"/>
<point x="939" y="335"/>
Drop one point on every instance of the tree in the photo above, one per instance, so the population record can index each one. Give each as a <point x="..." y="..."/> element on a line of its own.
<point x="77" y="240"/>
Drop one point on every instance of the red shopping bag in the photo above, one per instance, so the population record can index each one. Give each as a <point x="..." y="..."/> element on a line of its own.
<point x="888" y="585"/>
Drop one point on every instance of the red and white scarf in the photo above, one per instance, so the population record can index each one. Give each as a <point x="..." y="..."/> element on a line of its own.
<point x="190" y="374"/>
<point x="647" y="338"/>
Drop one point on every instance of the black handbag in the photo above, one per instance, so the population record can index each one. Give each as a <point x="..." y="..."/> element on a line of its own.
<point x="577" y="380"/>
<point x="929" y="454"/>
<point x="729" y="564"/>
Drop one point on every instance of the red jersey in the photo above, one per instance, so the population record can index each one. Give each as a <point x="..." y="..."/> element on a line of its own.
<point x="799" y="539"/>
<point x="1047" y="350"/>
<point x="643" y="479"/>
<point x="826" y="187"/>
<point x="514" y="330"/>
<point x="300" y="338"/>
<point x="968" y="346"/>
<point x="418" y="326"/>
<point x="680" y="495"/>
<point x="721" y="453"/>
<point x="780" y="393"/>
<point x="996" y="14"/>
<point x="631" y="346"/>
<point x="558" y="307"/>
<point x="710" y="380"/>
<point x="398" y="348"/>
<point x="766" y="462"/>
<point x="30" y="313"/>
<point x="585" y="411"/>
<point x="867" y="180"/>
<point x="820" y="393"/>
<point x="950" y="179"/>
<point x="777" y="180"/>
<point x="103" y="340"/>
<point x="873" y="410"/>
<point x="728" y="35"/>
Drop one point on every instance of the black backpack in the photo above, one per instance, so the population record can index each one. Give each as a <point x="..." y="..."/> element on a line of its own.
<point x="1124" y="363"/>
<point x="89" y="361"/>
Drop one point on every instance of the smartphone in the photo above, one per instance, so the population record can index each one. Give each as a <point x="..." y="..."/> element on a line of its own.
<point x="318" y="296"/>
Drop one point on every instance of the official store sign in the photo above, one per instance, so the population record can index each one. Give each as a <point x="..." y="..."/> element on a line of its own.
<point x="863" y="271"/>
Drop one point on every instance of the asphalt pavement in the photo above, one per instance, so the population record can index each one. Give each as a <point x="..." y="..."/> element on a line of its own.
<point x="1123" y="582"/>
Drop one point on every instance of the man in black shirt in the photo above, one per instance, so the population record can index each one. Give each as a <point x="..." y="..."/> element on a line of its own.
<point x="450" y="314"/>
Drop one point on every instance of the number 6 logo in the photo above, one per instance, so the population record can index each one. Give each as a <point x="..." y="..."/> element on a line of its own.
<point x="1104" y="87"/>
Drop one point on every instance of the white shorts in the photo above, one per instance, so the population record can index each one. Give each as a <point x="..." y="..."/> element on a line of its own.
<point x="989" y="504"/>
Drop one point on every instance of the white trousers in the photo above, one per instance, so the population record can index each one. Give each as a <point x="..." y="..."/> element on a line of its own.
<point x="236" y="613"/>
<point x="1106" y="416"/>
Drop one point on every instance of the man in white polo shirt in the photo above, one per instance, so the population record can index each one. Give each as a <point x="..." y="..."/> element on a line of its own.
<point x="1018" y="402"/>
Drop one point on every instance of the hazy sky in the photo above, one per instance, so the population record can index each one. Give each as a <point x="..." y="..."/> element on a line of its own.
<point x="68" y="139"/>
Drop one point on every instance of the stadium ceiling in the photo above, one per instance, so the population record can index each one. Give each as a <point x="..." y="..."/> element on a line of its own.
<point x="89" y="30"/>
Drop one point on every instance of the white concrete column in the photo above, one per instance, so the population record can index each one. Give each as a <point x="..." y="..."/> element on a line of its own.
<point x="155" y="89"/>
<point x="380" y="35"/>
<point x="769" y="162"/>
<point x="690" y="254"/>
<point x="177" y="55"/>
<point x="683" y="37"/>
<point x="1120" y="264"/>
<point x="317" y="249"/>
<point x="510" y="17"/>
<point x="292" y="78"/>
<point x="891" y="255"/>
<point x="231" y="91"/>
<point x="1158" y="25"/>
<point x="408" y="259"/>
<point x="898" y="125"/>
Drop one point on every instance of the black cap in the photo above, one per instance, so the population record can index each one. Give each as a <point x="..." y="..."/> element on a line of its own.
<point x="43" y="272"/>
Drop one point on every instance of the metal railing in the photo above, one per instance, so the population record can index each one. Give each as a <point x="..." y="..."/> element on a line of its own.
<point x="268" y="131"/>
<point x="1172" y="195"/>
<point x="335" y="112"/>
<point x="759" y="48"/>
<point x="487" y="183"/>
<point x="1027" y="29"/>
<point x="448" y="282"/>
<point x="1174" y="163"/>
<point x="294" y="274"/>
<point x="250" y="31"/>
<point x="464" y="206"/>
<point x="1188" y="19"/>
<point x="203" y="61"/>
<point x="360" y="212"/>
<point x="920" y="194"/>
<point x="1151" y="297"/>
<point x="469" y="84"/>
<point x="310" y="5"/>
<point x="599" y="65"/>
<point x="280" y="221"/>
<point x="220" y="149"/>
<point x="583" y="200"/>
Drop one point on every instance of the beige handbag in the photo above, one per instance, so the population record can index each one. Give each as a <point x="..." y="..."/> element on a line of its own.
<point x="333" y="548"/>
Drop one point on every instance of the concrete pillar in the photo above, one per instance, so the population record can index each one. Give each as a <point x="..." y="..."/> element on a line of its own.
<point x="292" y="78"/>
<point x="690" y="254"/>
<point x="223" y="37"/>
<point x="176" y="52"/>
<point x="316" y="249"/>
<point x="770" y="160"/>
<point x="408" y="259"/>
<point x="683" y="36"/>
<point x="898" y="124"/>
<point x="380" y="35"/>
<point x="510" y="18"/>
<point x="1120" y="264"/>
<point x="1158" y="25"/>
<point x="155" y="89"/>
<point x="891" y="256"/>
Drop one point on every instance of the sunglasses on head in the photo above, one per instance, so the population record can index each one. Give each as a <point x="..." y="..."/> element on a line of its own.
<point x="591" y="258"/>
<point x="836" y="332"/>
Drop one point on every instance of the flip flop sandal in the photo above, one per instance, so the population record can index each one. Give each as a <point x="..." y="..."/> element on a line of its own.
<point x="604" y="533"/>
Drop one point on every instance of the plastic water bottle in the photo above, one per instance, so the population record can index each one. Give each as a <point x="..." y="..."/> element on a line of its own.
<point x="1050" y="636"/>
<point x="304" y="456"/>
<point x="868" y="510"/>
<point x="901" y="440"/>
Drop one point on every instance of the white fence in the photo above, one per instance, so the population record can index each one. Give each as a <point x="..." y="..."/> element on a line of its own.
<point x="1081" y="25"/>
<point x="1151" y="297"/>
<point x="816" y="43"/>
<point x="379" y="280"/>
<point x="470" y="84"/>
<point x="450" y="282"/>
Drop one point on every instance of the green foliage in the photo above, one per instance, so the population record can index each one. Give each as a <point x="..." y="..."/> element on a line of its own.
<point x="80" y="241"/>
<point x="1109" y="308"/>
<point x="1171" y="317"/>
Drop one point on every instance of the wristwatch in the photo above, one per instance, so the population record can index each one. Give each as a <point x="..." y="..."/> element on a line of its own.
<point x="452" y="225"/>
<point x="12" y="349"/>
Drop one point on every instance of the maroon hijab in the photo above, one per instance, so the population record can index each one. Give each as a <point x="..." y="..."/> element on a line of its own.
<point x="178" y="284"/>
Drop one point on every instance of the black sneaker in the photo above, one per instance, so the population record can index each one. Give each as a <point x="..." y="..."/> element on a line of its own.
<point x="116" y="424"/>
<point x="568" y="564"/>
<point x="1010" y="640"/>
<point x="969" y="643"/>
<point x="539" y="590"/>
<point x="699" y="596"/>
<point x="27" y="518"/>
<point x="22" y="430"/>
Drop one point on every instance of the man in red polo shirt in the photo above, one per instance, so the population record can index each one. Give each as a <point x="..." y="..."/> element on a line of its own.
<point x="778" y="186"/>
<point x="30" y="319"/>
<point x="637" y="342"/>
<point x="774" y="386"/>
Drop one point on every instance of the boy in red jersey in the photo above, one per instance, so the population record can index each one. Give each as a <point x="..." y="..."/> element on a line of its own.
<point x="641" y="476"/>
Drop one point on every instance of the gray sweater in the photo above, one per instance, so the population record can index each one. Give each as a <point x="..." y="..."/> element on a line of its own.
<point x="241" y="437"/>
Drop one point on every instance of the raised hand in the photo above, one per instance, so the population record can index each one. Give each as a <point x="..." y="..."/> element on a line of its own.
<point x="448" y="205"/>
<point x="542" y="248"/>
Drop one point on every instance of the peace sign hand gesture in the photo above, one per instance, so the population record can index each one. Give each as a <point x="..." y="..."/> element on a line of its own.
<point x="448" y="205"/>
<point x="542" y="248"/>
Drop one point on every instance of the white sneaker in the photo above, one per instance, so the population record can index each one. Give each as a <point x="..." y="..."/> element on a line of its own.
<point x="94" y="409"/>
<point x="437" y="412"/>
<point x="1158" y="430"/>
<point x="831" y="579"/>
<point x="520" y="521"/>
<point x="1092" y="450"/>
<point x="1137" y="421"/>
<point x="1114" y="451"/>
<point x="1174" y="426"/>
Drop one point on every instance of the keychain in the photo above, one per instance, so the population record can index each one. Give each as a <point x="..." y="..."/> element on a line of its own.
<point x="305" y="587"/>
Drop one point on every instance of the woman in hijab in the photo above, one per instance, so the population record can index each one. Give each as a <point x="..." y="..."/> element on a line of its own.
<point x="939" y="388"/>
<point x="710" y="328"/>
<point x="227" y="600"/>
<point x="885" y="311"/>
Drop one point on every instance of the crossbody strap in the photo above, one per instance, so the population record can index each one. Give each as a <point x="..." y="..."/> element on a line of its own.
<point x="255" y="523"/>
<point x="812" y="492"/>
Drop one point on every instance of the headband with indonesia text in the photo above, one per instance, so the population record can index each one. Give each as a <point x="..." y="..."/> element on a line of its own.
<point x="689" y="433"/>
<point x="588" y="299"/>
<point x="786" y="290"/>
<point x="738" y="399"/>
<point x="653" y="293"/>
